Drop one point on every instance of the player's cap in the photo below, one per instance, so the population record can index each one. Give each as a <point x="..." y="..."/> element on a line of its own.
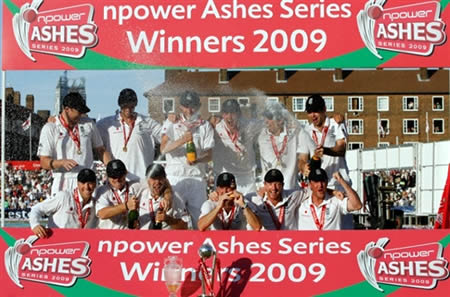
<point x="190" y="99"/>
<point x="318" y="174"/>
<point x="315" y="103"/>
<point x="116" y="169"/>
<point x="76" y="101"/>
<point x="226" y="179"/>
<point x="155" y="171"/>
<point x="273" y="175"/>
<point x="231" y="105"/>
<point x="127" y="96"/>
<point x="86" y="175"/>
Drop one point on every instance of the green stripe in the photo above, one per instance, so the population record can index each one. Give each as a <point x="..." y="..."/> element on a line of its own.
<point x="13" y="8"/>
<point x="81" y="286"/>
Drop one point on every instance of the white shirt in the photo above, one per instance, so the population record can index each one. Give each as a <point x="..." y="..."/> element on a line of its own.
<point x="203" y="137"/>
<point x="107" y="198"/>
<point x="147" y="204"/>
<point x="329" y="163"/>
<point x="62" y="212"/>
<point x="236" y="156"/>
<point x="334" y="209"/>
<point x="288" y="163"/>
<point x="140" y="146"/>
<point x="290" y="202"/>
<point x="238" y="221"/>
<point x="56" y="143"/>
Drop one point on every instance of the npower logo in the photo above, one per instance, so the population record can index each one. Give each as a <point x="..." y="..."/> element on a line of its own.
<point x="64" y="31"/>
<point x="58" y="264"/>
<point x="414" y="28"/>
<point x="418" y="266"/>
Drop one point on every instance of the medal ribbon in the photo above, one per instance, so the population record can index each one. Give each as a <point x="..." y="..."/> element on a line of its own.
<point x="234" y="138"/>
<point x="82" y="220"/>
<point x="190" y="125"/>
<point x="277" y="221"/>
<point x="117" y="196"/>
<point x="152" y="210"/>
<point x="125" y="137"/>
<point x="226" y="224"/>
<point x="324" y="135"/>
<point x="322" y="216"/>
<point x="74" y="135"/>
<point x="277" y="152"/>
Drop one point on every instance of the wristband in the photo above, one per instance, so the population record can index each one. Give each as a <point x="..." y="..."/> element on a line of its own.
<point x="51" y="164"/>
<point x="126" y="206"/>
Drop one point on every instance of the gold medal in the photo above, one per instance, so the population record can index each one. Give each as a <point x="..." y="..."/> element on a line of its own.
<point x="124" y="149"/>
<point x="278" y="162"/>
<point x="79" y="152"/>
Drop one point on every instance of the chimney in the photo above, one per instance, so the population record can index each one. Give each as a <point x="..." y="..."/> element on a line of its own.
<point x="29" y="102"/>
<point x="9" y="95"/>
<point x="16" y="99"/>
<point x="424" y="74"/>
<point x="223" y="76"/>
<point x="44" y="114"/>
<point x="281" y="75"/>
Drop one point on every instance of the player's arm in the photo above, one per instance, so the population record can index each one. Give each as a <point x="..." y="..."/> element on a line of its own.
<point x="338" y="150"/>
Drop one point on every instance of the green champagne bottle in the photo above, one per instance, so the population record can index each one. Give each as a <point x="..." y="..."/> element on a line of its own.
<point x="133" y="216"/>
<point x="191" y="154"/>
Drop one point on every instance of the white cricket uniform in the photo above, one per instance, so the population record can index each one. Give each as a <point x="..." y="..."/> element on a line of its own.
<point x="62" y="212"/>
<point x="222" y="221"/>
<point x="107" y="198"/>
<point x="189" y="181"/>
<point x="291" y="200"/>
<point x="147" y="204"/>
<point x="334" y="210"/>
<point x="237" y="156"/>
<point x="56" y="143"/>
<point x="288" y="165"/>
<point x="329" y="163"/>
<point x="140" y="150"/>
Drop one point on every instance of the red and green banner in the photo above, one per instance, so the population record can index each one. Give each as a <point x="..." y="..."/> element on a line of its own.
<point x="139" y="34"/>
<point x="131" y="263"/>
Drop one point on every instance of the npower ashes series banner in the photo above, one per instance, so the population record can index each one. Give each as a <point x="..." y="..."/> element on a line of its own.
<point x="123" y="263"/>
<point x="106" y="34"/>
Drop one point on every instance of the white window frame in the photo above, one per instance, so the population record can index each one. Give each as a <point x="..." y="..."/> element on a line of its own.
<point x="379" y="98"/>
<point x="442" y="103"/>
<point x="329" y="102"/>
<point x="240" y="99"/>
<point x="210" y="103"/>
<point x="360" y="103"/>
<point x="443" y="126"/>
<point x="405" y="127"/>
<point x="303" y="123"/>
<point x="388" y="126"/>
<point x="170" y="99"/>
<point x="383" y="144"/>
<point x="294" y="105"/>
<point x="272" y="99"/>
<point x="361" y="145"/>
<point x="416" y="103"/>
<point x="350" y="126"/>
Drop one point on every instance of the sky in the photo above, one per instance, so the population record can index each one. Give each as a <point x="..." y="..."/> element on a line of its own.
<point x="102" y="87"/>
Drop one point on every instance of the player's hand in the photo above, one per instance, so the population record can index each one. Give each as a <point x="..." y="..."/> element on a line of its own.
<point x="187" y="136"/>
<point x="338" y="177"/>
<point x="319" y="152"/>
<point x="238" y="199"/>
<point x="40" y="231"/>
<point x="133" y="203"/>
<point x="306" y="170"/>
<point x="213" y="196"/>
<point x="261" y="192"/>
<point x="68" y="164"/>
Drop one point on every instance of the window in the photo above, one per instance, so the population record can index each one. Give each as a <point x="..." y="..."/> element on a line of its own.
<point x="355" y="104"/>
<point x="383" y="103"/>
<point x="168" y="105"/>
<point x="272" y="99"/>
<point x="383" y="144"/>
<point x="303" y="123"/>
<point x="355" y="127"/>
<point x="355" y="145"/>
<point x="383" y="127"/>
<point x="214" y="104"/>
<point x="410" y="126"/>
<point x="438" y="103"/>
<point x="438" y="126"/>
<point x="243" y="101"/>
<point x="410" y="103"/>
<point x="329" y="103"/>
<point x="298" y="104"/>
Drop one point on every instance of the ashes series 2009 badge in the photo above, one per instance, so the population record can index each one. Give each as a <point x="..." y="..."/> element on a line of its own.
<point x="58" y="263"/>
<point x="413" y="28"/>
<point x="418" y="266"/>
<point x="64" y="31"/>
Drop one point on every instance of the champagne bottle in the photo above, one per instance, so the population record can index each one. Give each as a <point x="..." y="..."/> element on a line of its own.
<point x="133" y="216"/>
<point x="314" y="163"/>
<point x="156" y="225"/>
<point x="191" y="154"/>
